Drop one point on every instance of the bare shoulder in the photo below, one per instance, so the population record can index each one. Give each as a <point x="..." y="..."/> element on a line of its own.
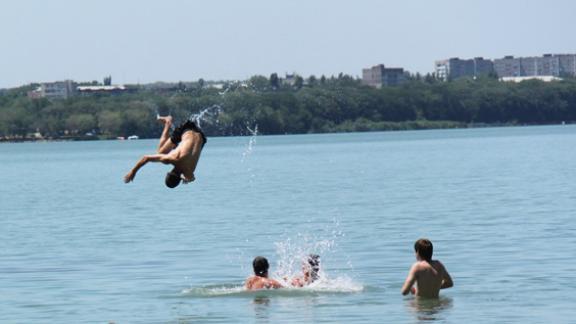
<point x="438" y="264"/>
<point x="274" y="284"/>
<point x="419" y="266"/>
<point x="250" y="281"/>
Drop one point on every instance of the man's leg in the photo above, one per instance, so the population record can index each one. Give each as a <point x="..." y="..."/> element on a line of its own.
<point x="165" y="145"/>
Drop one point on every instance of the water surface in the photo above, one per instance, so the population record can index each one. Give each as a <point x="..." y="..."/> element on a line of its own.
<point x="78" y="245"/>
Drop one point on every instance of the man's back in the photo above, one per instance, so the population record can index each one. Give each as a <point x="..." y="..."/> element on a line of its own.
<point x="256" y="282"/>
<point x="429" y="278"/>
<point x="187" y="153"/>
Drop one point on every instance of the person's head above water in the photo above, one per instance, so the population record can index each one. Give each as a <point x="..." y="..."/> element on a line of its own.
<point x="314" y="264"/>
<point x="260" y="265"/>
<point x="173" y="178"/>
<point x="423" y="248"/>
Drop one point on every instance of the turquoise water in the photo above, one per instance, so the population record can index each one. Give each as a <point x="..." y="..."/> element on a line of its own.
<point x="78" y="245"/>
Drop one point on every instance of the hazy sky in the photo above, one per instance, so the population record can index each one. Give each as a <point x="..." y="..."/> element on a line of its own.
<point x="171" y="40"/>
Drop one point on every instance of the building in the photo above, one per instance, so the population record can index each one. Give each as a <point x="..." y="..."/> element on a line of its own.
<point x="455" y="68"/>
<point x="290" y="79"/>
<point x="546" y="65"/>
<point x="54" y="90"/>
<point x="379" y="76"/>
<point x="567" y="63"/>
<point x="508" y="67"/>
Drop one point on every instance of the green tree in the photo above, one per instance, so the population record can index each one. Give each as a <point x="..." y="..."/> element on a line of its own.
<point x="80" y="123"/>
<point x="110" y="122"/>
<point x="259" y="83"/>
<point x="274" y="81"/>
<point x="298" y="82"/>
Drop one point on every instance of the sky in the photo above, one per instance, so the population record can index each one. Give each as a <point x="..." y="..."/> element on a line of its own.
<point x="144" y="41"/>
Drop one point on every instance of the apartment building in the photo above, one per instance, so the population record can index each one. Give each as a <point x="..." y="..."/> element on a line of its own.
<point x="455" y="68"/>
<point x="380" y="76"/>
<point x="557" y="65"/>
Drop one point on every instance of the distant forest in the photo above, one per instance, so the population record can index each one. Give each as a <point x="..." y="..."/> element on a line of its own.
<point x="313" y="105"/>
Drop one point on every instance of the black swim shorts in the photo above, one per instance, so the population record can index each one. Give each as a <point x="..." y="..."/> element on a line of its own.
<point x="189" y="125"/>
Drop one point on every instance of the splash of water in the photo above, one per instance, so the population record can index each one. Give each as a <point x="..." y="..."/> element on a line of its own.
<point x="251" y="143"/>
<point x="208" y="114"/>
<point x="293" y="253"/>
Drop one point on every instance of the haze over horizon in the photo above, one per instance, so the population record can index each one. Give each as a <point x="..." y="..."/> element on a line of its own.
<point x="176" y="40"/>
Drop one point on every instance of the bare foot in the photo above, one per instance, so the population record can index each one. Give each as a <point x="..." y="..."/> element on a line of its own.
<point x="166" y="120"/>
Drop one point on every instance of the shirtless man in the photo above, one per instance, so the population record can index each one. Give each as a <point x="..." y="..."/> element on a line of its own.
<point x="429" y="275"/>
<point x="260" y="278"/>
<point x="182" y="150"/>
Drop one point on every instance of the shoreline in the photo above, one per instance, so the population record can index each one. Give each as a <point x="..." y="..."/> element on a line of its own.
<point x="398" y="129"/>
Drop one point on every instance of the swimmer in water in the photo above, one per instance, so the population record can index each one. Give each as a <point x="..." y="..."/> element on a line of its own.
<point x="310" y="269"/>
<point x="429" y="275"/>
<point x="260" y="278"/>
<point x="181" y="149"/>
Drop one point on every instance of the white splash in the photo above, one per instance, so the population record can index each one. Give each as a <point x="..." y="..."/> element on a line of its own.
<point x="292" y="253"/>
<point x="214" y="291"/>
<point x="251" y="143"/>
<point x="207" y="114"/>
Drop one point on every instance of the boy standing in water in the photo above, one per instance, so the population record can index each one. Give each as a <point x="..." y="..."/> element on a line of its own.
<point x="182" y="150"/>
<point x="260" y="278"/>
<point x="429" y="275"/>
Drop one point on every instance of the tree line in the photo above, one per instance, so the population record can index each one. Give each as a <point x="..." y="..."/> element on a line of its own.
<point x="313" y="105"/>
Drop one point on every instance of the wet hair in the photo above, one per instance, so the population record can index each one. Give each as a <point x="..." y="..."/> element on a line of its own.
<point x="424" y="249"/>
<point x="260" y="265"/>
<point x="173" y="179"/>
<point x="314" y="262"/>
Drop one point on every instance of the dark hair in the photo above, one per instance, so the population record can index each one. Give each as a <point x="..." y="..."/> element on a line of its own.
<point x="314" y="262"/>
<point x="173" y="179"/>
<point x="424" y="249"/>
<point x="260" y="265"/>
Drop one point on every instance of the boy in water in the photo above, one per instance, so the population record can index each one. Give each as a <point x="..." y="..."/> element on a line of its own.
<point x="310" y="269"/>
<point x="429" y="275"/>
<point x="182" y="150"/>
<point x="260" y="278"/>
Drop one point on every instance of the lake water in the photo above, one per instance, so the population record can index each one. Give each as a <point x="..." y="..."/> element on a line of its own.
<point x="78" y="245"/>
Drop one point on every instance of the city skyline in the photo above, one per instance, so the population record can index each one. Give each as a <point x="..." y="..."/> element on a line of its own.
<point x="146" y="42"/>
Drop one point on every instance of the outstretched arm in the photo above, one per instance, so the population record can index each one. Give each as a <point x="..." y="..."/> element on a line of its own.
<point x="164" y="158"/>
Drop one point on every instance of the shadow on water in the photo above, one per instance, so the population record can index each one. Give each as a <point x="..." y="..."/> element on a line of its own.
<point x="429" y="309"/>
<point x="260" y="305"/>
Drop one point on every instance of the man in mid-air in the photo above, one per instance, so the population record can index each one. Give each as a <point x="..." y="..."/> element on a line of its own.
<point x="182" y="150"/>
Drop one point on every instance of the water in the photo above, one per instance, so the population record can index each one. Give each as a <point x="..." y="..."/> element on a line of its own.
<point x="209" y="114"/>
<point x="78" y="245"/>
